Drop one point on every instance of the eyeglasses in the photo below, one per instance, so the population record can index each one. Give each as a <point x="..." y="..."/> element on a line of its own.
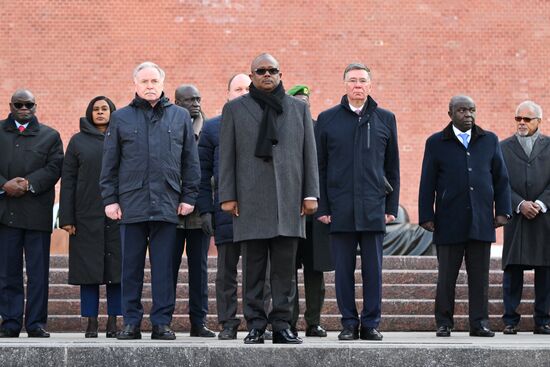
<point x="526" y="119"/>
<point x="262" y="71"/>
<point x="357" y="81"/>
<point x="20" y="105"/>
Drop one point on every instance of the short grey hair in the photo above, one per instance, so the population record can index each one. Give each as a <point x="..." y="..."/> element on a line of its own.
<point x="148" y="64"/>
<point x="356" y="66"/>
<point x="532" y="106"/>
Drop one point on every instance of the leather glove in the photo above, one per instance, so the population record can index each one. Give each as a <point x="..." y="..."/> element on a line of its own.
<point x="207" y="225"/>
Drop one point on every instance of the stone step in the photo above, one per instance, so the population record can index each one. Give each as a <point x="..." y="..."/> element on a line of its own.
<point x="330" y="307"/>
<point x="389" y="291"/>
<point x="390" y="262"/>
<point x="60" y="276"/>
<point x="180" y="323"/>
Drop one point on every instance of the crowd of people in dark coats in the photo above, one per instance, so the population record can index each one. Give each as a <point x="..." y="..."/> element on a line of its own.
<point x="274" y="188"/>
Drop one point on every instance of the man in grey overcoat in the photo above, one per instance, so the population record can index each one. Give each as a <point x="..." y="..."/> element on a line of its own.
<point x="269" y="182"/>
<point x="527" y="154"/>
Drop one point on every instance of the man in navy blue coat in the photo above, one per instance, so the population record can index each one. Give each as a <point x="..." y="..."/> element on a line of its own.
<point x="208" y="205"/>
<point x="150" y="175"/>
<point x="463" y="171"/>
<point x="357" y="148"/>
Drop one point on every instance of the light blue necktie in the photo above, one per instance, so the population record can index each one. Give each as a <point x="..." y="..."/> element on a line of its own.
<point x="464" y="138"/>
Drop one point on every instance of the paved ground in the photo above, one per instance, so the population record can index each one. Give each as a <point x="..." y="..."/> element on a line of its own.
<point x="523" y="339"/>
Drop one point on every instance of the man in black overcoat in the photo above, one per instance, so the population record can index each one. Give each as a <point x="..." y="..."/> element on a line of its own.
<point x="357" y="147"/>
<point x="31" y="156"/>
<point x="526" y="237"/>
<point x="464" y="174"/>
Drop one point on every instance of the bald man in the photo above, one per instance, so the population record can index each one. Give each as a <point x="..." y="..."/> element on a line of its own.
<point x="31" y="156"/>
<point x="268" y="183"/>
<point x="214" y="218"/>
<point x="464" y="195"/>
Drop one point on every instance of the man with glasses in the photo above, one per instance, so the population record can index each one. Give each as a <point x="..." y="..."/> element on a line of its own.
<point x="464" y="195"/>
<point x="268" y="182"/>
<point x="527" y="154"/>
<point x="357" y="148"/>
<point x="31" y="157"/>
<point x="190" y="233"/>
<point x="150" y="176"/>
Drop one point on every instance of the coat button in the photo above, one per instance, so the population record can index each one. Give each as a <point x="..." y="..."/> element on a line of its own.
<point x="467" y="153"/>
<point x="107" y="227"/>
<point x="17" y="145"/>
<point x="469" y="169"/>
<point x="151" y="217"/>
<point x="11" y="213"/>
<point x="471" y="188"/>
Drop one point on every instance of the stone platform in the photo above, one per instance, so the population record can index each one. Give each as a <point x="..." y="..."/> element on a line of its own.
<point x="397" y="349"/>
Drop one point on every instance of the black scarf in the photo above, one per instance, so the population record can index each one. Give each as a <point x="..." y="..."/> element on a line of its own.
<point x="144" y="104"/>
<point x="272" y="105"/>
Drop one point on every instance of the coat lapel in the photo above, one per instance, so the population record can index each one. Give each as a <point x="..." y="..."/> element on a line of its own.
<point x="252" y="108"/>
<point x="540" y="145"/>
<point x="516" y="148"/>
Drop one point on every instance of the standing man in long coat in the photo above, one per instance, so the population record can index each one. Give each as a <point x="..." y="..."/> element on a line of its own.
<point x="464" y="195"/>
<point x="150" y="175"/>
<point x="31" y="156"/>
<point x="357" y="149"/>
<point x="527" y="236"/>
<point x="268" y="181"/>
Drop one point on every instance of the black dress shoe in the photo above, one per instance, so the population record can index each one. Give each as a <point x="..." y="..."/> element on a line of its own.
<point x="482" y="331"/>
<point x="162" y="332"/>
<point x="443" y="331"/>
<point x="255" y="336"/>
<point x="542" y="329"/>
<point x="286" y="336"/>
<point x="38" y="333"/>
<point x="370" y="333"/>
<point x="91" y="329"/>
<point x="294" y="330"/>
<point x="510" y="330"/>
<point x="201" y="332"/>
<point x="228" y="333"/>
<point x="316" y="330"/>
<point x="8" y="333"/>
<point x="129" y="332"/>
<point x="111" y="330"/>
<point x="349" y="333"/>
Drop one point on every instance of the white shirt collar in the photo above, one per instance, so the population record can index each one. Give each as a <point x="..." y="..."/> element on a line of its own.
<point x="458" y="132"/>
<point x="353" y="108"/>
<point x="17" y="124"/>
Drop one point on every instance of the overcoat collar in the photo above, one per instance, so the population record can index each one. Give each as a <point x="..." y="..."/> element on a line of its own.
<point x="540" y="145"/>
<point x="256" y="111"/>
<point x="448" y="133"/>
<point x="32" y="128"/>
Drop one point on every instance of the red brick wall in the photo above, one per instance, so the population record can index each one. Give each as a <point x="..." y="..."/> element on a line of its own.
<point x="420" y="52"/>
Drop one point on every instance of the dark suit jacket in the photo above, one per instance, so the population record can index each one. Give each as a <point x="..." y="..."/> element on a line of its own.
<point x="469" y="186"/>
<point x="526" y="240"/>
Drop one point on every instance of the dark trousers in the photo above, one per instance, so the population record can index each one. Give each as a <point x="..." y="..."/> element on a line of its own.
<point x="89" y="300"/>
<point x="477" y="256"/>
<point x="195" y="243"/>
<point x="512" y="287"/>
<point x="280" y="252"/>
<point x="314" y="283"/>
<point x="160" y="237"/>
<point x="344" y="252"/>
<point x="226" y="284"/>
<point x="36" y="246"/>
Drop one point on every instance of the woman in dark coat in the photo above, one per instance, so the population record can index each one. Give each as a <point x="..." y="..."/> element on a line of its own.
<point x="94" y="242"/>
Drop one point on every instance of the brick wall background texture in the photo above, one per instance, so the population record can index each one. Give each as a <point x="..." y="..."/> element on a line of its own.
<point x="420" y="52"/>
